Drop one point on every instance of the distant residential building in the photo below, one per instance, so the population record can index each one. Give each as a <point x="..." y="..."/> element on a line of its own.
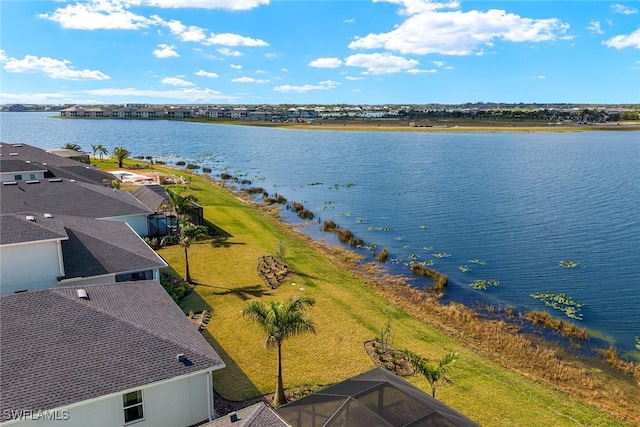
<point x="17" y="107"/>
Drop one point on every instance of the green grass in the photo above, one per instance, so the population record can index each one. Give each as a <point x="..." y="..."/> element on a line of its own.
<point x="347" y="313"/>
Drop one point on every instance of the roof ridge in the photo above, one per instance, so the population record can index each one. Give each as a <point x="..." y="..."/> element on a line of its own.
<point x="114" y="316"/>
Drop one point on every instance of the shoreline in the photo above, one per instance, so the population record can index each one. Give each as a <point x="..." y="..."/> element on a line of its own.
<point x="495" y="339"/>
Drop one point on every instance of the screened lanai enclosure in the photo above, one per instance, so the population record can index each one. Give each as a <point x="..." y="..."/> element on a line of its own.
<point x="376" y="398"/>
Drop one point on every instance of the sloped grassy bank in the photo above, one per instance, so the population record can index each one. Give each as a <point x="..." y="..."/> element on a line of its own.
<point x="501" y="378"/>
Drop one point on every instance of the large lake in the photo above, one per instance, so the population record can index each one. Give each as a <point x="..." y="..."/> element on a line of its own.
<point x="516" y="204"/>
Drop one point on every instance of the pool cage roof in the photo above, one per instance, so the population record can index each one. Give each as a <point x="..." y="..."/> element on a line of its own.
<point x="376" y="398"/>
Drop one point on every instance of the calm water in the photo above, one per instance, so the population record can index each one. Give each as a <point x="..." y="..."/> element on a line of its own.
<point x="520" y="203"/>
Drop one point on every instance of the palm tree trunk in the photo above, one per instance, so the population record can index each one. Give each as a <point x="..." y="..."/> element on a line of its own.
<point x="279" y="398"/>
<point x="187" y="276"/>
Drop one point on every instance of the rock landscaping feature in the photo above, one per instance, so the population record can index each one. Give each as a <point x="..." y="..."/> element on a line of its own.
<point x="391" y="359"/>
<point x="273" y="271"/>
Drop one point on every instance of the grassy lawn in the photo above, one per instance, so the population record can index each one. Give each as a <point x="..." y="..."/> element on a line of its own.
<point x="347" y="313"/>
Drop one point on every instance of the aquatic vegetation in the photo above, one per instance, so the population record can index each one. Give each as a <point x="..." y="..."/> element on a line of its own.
<point x="361" y="219"/>
<point x="442" y="255"/>
<point x="561" y="302"/>
<point x="638" y="343"/>
<point x="398" y="238"/>
<point x="326" y="207"/>
<point x="567" y="329"/>
<point x="369" y="246"/>
<point x="349" y="185"/>
<point x="477" y="261"/>
<point x="348" y="214"/>
<point x="380" y="229"/>
<point x="383" y="255"/>
<point x="439" y="280"/>
<point x="314" y="183"/>
<point x="482" y="284"/>
<point x="464" y="268"/>
<point x="424" y="227"/>
<point x="396" y="260"/>
<point x="568" y="263"/>
<point x="427" y="248"/>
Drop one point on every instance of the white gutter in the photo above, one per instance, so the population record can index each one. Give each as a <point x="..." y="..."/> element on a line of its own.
<point x="210" y="394"/>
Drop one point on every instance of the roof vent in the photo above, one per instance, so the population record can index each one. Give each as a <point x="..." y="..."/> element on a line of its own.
<point x="33" y="181"/>
<point x="13" y="154"/>
<point x="233" y="417"/>
<point x="55" y="180"/>
<point x="72" y="180"/>
<point x="17" y="145"/>
<point x="30" y="218"/>
<point x="180" y="357"/>
<point x="10" y="183"/>
<point x="28" y="161"/>
<point x="44" y="164"/>
<point x="82" y="293"/>
<point x="48" y="215"/>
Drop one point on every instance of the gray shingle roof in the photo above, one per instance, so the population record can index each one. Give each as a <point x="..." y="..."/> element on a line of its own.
<point x="17" y="229"/>
<point x="257" y="415"/>
<point x="65" y="197"/>
<point x="58" y="166"/>
<point x="152" y="196"/>
<point x="97" y="247"/>
<point x="58" y="349"/>
<point x="10" y="165"/>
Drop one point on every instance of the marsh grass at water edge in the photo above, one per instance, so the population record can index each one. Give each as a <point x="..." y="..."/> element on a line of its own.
<point x="543" y="212"/>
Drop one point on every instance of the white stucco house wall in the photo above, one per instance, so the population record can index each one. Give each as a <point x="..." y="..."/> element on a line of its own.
<point x="39" y="251"/>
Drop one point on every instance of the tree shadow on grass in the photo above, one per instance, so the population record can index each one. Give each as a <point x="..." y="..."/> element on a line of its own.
<point x="222" y="242"/>
<point x="231" y="383"/>
<point x="245" y="293"/>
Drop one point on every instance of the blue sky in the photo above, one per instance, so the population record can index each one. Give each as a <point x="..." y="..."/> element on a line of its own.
<point x="319" y="51"/>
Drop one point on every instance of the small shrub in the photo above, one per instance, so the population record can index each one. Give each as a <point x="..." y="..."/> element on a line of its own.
<point x="254" y="190"/>
<point x="192" y="166"/>
<point x="160" y="162"/>
<point x="181" y="163"/>
<point x="345" y="236"/>
<point x="383" y="255"/>
<point x="245" y="182"/>
<point x="329" y="226"/>
<point x="205" y="170"/>
<point x="225" y="176"/>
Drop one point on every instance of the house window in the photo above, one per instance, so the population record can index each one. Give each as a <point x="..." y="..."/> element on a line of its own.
<point x="133" y="406"/>
<point x="17" y="177"/>
<point x="32" y="176"/>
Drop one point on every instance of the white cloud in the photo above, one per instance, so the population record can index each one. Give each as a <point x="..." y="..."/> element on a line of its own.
<point x="624" y="40"/>
<point x="3" y="55"/>
<point x="271" y="55"/>
<point x="438" y="63"/>
<point x="539" y="77"/>
<point x="236" y="66"/>
<point x="324" y="85"/>
<point x="284" y="70"/>
<point x="203" y="73"/>
<point x="349" y="21"/>
<point x="98" y="14"/>
<point x="176" y="81"/>
<point x="229" y="52"/>
<point x="249" y="80"/>
<point x="626" y="10"/>
<point x="165" y="51"/>
<point x="53" y="68"/>
<point x="230" y="39"/>
<point x="260" y="72"/>
<point x="420" y="71"/>
<point x="117" y="95"/>
<point x="353" y="78"/>
<point x="427" y="29"/>
<point x="381" y="63"/>
<point x="594" y="27"/>
<point x="184" y="33"/>
<point x="326" y="63"/>
<point x="209" y="4"/>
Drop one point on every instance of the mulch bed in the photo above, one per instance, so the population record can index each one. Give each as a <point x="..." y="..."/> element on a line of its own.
<point x="391" y="359"/>
<point x="273" y="271"/>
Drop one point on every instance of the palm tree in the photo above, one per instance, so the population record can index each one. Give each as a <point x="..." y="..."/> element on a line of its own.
<point x="97" y="148"/>
<point x="281" y="321"/>
<point x="102" y="150"/>
<point x="180" y="203"/>
<point x="186" y="235"/>
<point x="72" y="146"/>
<point x="435" y="375"/>
<point x="121" y="153"/>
